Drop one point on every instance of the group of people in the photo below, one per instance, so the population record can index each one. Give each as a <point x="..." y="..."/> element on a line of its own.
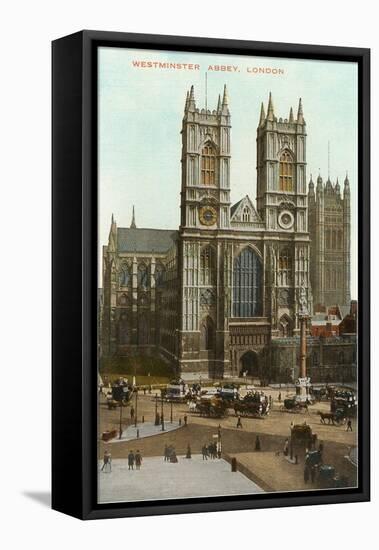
<point x="210" y="451"/>
<point x="134" y="459"/>
<point x="169" y="454"/>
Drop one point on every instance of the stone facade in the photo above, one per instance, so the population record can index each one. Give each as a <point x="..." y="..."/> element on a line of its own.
<point x="213" y="296"/>
<point x="329" y="228"/>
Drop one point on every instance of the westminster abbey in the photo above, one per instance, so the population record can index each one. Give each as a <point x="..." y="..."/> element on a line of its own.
<point x="213" y="296"/>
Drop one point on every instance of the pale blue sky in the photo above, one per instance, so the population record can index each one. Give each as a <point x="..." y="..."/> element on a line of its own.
<point x="140" y="115"/>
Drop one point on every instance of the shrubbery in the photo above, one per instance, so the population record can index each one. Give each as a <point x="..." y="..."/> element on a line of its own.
<point x="141" y="365"/>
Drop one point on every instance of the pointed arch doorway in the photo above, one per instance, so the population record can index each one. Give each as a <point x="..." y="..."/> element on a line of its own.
<point x="250" y="364"/>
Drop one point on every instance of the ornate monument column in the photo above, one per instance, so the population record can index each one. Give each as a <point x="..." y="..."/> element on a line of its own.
<point x="303" y="382"/>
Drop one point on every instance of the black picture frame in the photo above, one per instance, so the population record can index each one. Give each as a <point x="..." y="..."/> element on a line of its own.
<point x="74" y="271"/>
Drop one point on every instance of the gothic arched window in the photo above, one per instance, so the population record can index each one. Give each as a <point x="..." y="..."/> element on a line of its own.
<point x="124" y="300"/>
<point x="158" y="275"/>
<point x="246" y="214"/>
<point x="208" y="165"/>
<point x="123" y="330"/>
<point x="124" y="275"/>
<point x="207" y="333"/>
<point x="286" y="171"/>
<point x="207" y="266"/>
<point x="247" y="285"/>
<point x="285" y="267"/>
<point x="143" y="278"/>
<point x="285" y="327"/>
<point x="143" y="330"/>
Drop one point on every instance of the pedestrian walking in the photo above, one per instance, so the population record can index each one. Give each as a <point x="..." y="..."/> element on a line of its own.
<point x="166" y="453"/>
<point x="285" y="448"/>
<point x="280" y="397"/>
<point x="180" y="421"/>
<point x="173" y="457"/>
<point x="349" y="426"/>
<point x="107" y="461"/>
<point x="185" y="419"/>
<point x="257" y="443"/>
<point x="188" y="454"/>
<point x="204" y="451"/>
<point x="239" y="423"/>
<point x="138" y="459"/>
<point x="132" y="413"/>
<point x="131" y="460"/>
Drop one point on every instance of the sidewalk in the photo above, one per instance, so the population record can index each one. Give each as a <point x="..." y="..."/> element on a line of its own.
<point x="145" y="429"/>
<point x="157" y="479"/>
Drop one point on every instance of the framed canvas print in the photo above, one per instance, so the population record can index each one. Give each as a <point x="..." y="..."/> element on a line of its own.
<point x="210" y="275"/>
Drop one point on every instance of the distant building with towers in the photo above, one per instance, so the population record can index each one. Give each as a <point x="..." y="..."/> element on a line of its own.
<point x="329" y="230"/>
<point x="213" y="296"/>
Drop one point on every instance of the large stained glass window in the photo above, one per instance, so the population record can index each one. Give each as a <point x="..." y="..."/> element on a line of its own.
<point x="208" y="165"/>
<point x="286" y="172"/>
<point x="247" y="285"/>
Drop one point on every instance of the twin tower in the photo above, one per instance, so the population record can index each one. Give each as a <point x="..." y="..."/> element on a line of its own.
<point x="285" y="209"/>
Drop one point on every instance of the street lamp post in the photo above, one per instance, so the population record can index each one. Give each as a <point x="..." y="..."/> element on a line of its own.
<point x="162" y="418"/>
<point x="171" y="413"/>
<point x="120" y="420"/>
<point x="156" y="422"/>
<point x="135" y="414"/>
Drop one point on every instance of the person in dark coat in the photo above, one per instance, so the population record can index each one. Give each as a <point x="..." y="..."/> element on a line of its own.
<point x="204" y="451"/>
<point x="185" y="419"/>
<point x="349" y="426"/>
<point x="239" y="423"/>
<point x="132" y="413"/>
<point x="166" y="453"/>
<point x="131" y="460"/>
<point x="188" y="454"/>
<point x="257" y="443"/>
<point x="138" y="460"/>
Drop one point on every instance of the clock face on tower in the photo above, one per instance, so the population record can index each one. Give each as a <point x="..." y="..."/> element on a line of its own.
<point x="208" y="215"/>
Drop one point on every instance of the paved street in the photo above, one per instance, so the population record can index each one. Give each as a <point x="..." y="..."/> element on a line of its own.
<point x="266" y="468"/>
<point x="158" y="479"/>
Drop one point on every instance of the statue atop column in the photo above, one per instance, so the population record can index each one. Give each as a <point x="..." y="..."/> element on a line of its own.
<point x="303" y="302"/>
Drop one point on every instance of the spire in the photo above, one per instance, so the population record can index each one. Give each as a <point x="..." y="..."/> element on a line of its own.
<point x="191" y="100"/>
<point x="263" y="115"/>
<point x="320" y="186"/>
<point x="270" y="108"/>
<point x="346" y="187"/>
<point x="225" y="99"/>
<point x="219" y="103"/>
<point x="133" y="224"/>
<point x="112" y="235"/>
<point x="338" y="187"/>
<point x="300" y="117"/>
<point x="187" y="102"/>
<point x="311" y="187"/>
<point x="291" y="119"/>
<point x="225" y="102"/>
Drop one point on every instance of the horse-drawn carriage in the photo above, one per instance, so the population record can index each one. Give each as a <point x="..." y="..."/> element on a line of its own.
<point x="302" y="434"/>
<point x="121" y="394"/>
<point x="292" y="404"/>
<point x="214" y="407"/>
<point x="253" y="404"/>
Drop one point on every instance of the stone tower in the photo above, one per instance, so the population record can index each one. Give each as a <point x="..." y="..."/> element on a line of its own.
<point x="205" y="196"/>
<point x="205" y="214"/>
<point x="329" y="226"/>
<point x="282" y="205"/>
